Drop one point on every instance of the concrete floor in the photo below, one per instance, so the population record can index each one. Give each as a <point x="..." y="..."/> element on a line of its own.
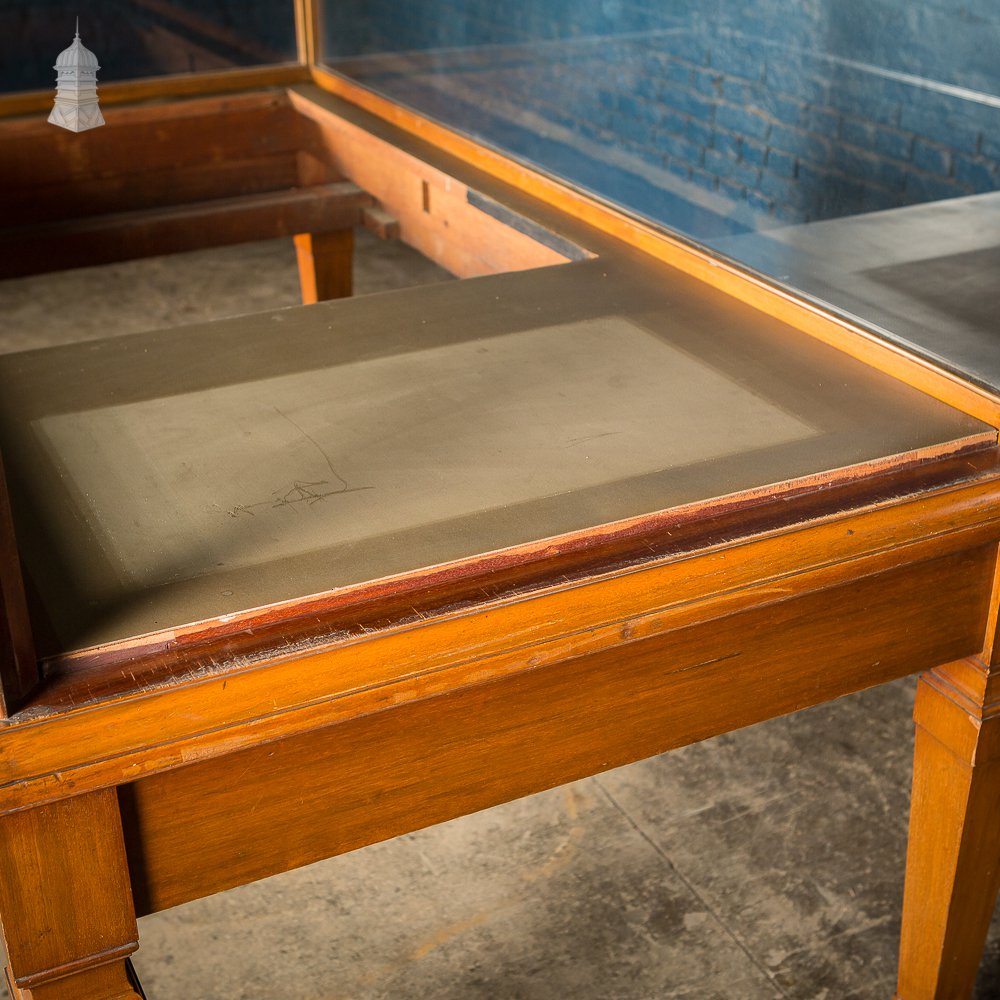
<point x="763" y="864"/>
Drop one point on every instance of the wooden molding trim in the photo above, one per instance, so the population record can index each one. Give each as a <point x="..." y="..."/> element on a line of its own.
<point x="956" y="718"/>
<point x="970" y="685"/>
<point x="755" y="291"/>
<point x="192" y="721"/>
<point x="79" y="965"/>
<point x="307" y="31"/>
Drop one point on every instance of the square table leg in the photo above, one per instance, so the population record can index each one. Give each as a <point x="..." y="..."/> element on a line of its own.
<point x="953" y="857"/>
<point x="325" y="265"/>
<point x="66" y="901"/>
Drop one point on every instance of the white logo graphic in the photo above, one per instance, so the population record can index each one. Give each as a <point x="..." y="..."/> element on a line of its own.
<point x="76" y="106"/>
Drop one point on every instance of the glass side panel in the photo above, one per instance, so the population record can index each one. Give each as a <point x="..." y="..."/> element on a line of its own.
<point x="741" y="123"/>
<point x="141" y="38"/>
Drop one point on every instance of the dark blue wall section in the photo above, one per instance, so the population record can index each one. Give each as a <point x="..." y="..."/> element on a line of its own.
<point x="713" y="116"/>
<point x="137" y="38"/>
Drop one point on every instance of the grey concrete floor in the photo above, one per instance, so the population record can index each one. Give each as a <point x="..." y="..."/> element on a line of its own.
<point x="762" y="864"/>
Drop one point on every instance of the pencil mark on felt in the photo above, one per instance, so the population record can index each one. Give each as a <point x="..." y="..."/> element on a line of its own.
<point x="316" y="445"/>
<point x="590" y="437"/>
<point x="301" y="492"/>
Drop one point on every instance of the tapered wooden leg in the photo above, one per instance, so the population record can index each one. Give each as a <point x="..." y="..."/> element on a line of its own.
<point x="66" y="902"/>
<point x="325" y="265"/>
<point x="953" y="857"/>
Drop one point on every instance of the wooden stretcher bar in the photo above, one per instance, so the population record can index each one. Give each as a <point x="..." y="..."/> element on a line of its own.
<point x="102" y="239"/>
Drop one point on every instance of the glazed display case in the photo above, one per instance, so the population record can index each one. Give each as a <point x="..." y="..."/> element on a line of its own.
<point x="709" y="435"/>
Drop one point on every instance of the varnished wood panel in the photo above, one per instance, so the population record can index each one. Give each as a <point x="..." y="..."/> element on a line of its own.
<point x="154" y="188"/>
<point x="433" y="209"/>
<point x="148" y="138"/>
<point x="312" y="796"/>
<point x="65" y="899"/>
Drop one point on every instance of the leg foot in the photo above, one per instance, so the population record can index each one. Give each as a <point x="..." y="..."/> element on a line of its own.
<point x="106" y="982"/>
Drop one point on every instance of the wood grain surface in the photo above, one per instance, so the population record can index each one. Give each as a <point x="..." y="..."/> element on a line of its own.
<point x="148" y="156"/>
<point x="408" y="766"/>
<point x="953" y="852"/>
<point x="433" y="208"/>
<point x="65" y="895"/>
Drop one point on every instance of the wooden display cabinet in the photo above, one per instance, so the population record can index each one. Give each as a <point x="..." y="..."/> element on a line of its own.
<point x="612" y="498"/>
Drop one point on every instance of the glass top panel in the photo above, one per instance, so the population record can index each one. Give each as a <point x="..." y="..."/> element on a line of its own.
<point x="740" y="123"/>
<point x="142" y="38"/>
<point x="176" y="476"/>
<point x="361" y="450"/>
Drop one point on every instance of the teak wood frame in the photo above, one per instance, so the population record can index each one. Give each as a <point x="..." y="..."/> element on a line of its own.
<point x="866" y="583"/>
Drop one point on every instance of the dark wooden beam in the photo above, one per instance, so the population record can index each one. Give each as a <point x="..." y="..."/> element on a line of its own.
<point x="18" y="665"/>
<point x="103" y="239"/>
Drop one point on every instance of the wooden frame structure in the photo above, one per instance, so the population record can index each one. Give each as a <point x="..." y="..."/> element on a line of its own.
<point x="114" y="757"/>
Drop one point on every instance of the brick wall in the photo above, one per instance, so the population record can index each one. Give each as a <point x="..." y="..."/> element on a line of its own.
<point x="798" y="136"/>
<point x="771" y="128"/>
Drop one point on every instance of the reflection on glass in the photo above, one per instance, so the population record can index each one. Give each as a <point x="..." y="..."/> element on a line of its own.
<point x="715" y="118"/>
<point x="138" y="38"/>
<point x="749" y="125"/>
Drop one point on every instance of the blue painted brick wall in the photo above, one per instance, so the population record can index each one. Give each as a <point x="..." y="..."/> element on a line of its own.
<point x="772" y="106"/>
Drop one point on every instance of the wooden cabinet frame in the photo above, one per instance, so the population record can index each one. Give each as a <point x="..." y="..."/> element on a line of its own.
<point x="113" y="761"/>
